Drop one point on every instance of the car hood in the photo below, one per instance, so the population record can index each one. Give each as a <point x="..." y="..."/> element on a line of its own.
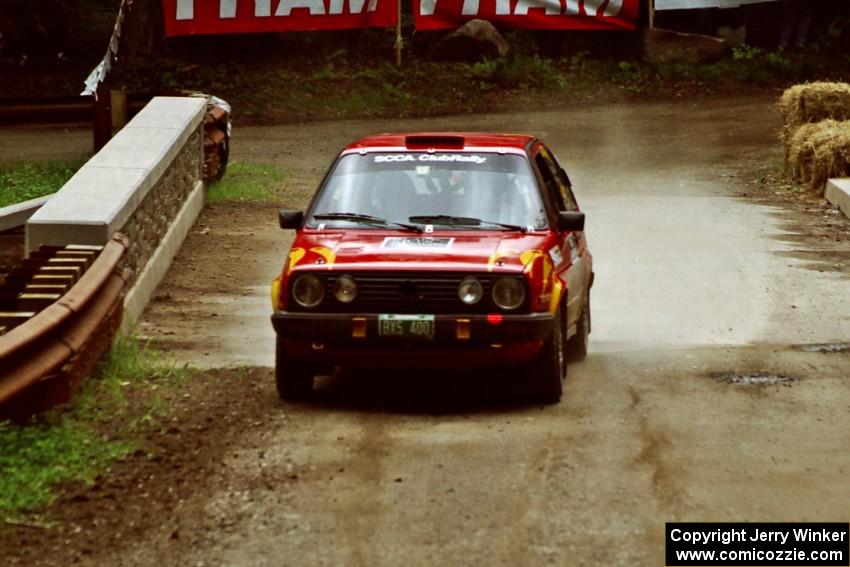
<point x="440" y="251"/>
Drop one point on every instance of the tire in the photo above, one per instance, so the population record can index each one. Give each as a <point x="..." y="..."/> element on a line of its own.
<point x="549" y="368"/>
<point x="223" y="158"/>
<point x="294" y="379"/>
<point x="577" y="347"/>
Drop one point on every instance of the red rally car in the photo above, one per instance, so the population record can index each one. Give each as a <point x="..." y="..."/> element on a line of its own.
<point x="451" y="250"/>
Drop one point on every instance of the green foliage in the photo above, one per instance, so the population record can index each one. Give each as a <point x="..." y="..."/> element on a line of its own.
<point x="249" y="182"/>
<point x="631" y="76"/>
<point x="837" y="37"/>
<point x="746" y="53"/>
<point x="747" y="65"/>
<point x="77" y="443"/>
<point x="130" y="363"/>
<point x="23" y="181"/>
<point x="628" y="67"/>
<point x="578" y="61"/>
<point x="520" y="72"/>
<point x="777" y="61"/>
<point x="36" y="456"/>
<point x="327" y="82"/>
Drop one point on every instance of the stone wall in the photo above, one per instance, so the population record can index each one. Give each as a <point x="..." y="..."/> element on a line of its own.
<point x="150" y="222"/>
<point x="146" y="183"/>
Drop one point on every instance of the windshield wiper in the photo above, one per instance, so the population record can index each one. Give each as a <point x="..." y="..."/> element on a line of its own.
<point x="449" y="220"/>
<point x="367" y="219"/>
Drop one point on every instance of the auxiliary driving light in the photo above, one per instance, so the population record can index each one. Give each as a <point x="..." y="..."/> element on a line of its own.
<point x="470" y="291"/>
<point x="345" y="289"/>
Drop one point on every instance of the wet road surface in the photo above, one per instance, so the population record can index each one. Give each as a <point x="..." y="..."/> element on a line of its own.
<point x="680" y="260"/>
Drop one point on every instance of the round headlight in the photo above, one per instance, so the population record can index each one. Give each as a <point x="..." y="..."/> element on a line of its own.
<point x="470" y="291"/>
<point x="508" y="293"/>
<point x="345" y="289"/>
<point x="308" y="290"/>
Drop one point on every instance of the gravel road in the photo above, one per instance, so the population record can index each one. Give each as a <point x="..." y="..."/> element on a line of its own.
<point x="696" y="403"/>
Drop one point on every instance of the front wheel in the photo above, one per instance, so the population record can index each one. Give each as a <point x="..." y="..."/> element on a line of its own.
<point x="294" y="379"/>
<point x="549" y="368"/>
<point x="577" y="346"/>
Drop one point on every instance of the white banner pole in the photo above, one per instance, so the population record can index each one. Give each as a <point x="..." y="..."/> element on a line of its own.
<point x="651" y="14"/>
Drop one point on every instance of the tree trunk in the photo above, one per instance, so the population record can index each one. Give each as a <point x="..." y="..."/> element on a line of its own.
<point x="142" y="33"/>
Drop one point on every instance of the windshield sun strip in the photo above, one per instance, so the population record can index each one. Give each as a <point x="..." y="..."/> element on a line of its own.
<point x="466" y="149"/>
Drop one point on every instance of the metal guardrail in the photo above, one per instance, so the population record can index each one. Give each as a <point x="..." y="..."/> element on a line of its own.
<point x="46" y="110"/>
<point x="54" y="338"/>
<point x="55" y="110"/>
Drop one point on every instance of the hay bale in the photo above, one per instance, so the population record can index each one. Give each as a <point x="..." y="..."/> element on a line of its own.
<point x="812" y="102"/>
<point x="832" y="157"/>
<point x="818" y="152"/>
<point x="800" y="151"/>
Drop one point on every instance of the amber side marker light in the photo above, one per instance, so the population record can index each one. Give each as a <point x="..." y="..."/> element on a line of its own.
<point x="275" y="292"/>
<point x="358" y="327"/>
<point x="464" y="330"/>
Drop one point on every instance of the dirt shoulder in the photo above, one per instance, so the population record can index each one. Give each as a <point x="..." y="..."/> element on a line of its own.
<point x="142" y="494"/>
<point x="387" y="468"/>
<point x="818" y="230"/>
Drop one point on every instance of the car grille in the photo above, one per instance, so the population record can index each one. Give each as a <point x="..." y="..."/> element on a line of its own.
<point x="395" y="292"/>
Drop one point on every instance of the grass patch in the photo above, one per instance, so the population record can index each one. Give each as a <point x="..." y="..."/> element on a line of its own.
<point x="130" y="367"/>
<point x="249" y="182"/>
<point x="37" y="456"/>
<point x="520" y="72"/>
<point x="746" y="66"/>
<point x="77" y="443"/>
<point x="24" y="181"/>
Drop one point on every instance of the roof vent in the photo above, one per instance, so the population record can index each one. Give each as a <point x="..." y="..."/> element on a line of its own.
<point x="434" y="141"/>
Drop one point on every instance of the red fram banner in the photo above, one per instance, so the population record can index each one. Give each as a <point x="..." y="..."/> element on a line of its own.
<point x="199" y="17"/>
<point x="529" y="14"/>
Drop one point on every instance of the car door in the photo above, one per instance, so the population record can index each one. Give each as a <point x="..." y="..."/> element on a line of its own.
<point x="574" y="267"/>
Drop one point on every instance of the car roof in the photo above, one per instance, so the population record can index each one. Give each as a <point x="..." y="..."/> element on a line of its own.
<point x="443" y="141"/>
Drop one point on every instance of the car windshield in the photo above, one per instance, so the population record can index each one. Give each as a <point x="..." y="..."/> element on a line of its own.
<point x="463" y="191"/>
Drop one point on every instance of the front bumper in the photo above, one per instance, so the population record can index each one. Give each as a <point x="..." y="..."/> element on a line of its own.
<point x="352" y="339"/>
<point x="353" y="329"/>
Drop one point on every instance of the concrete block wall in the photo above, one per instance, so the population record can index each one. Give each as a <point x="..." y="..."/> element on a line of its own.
<point x="838" y="193"/>
<point x="17" y="215"/>
<point x="146" y="183"/>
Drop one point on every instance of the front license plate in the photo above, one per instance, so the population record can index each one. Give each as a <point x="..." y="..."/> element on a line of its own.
<point x="409" y="326"/>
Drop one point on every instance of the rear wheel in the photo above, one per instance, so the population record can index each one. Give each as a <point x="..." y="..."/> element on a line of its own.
<point x="549" y="367"/>
<point x="294" y="379"/>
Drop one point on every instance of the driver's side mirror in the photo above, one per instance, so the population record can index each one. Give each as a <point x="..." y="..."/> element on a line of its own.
<point x="290" y="219"/>
<point x="572" y="221"/>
